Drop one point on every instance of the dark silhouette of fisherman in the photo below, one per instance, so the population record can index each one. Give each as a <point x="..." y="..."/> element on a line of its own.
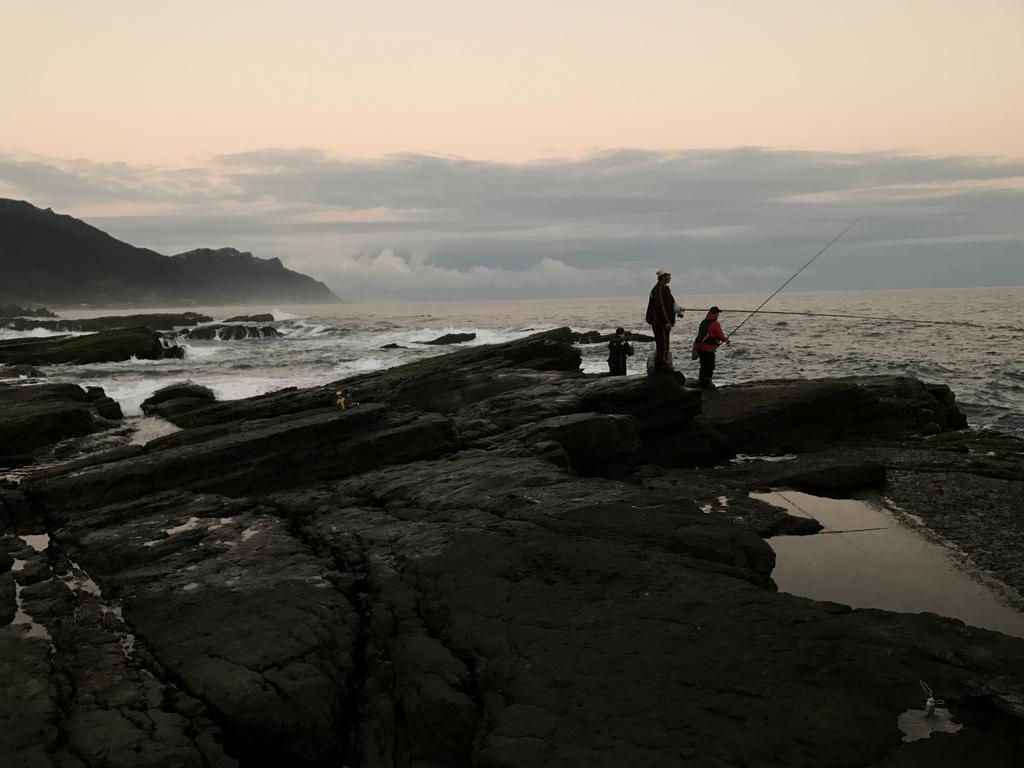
<point x="662" y="312"/>
<point x="618" y="350"/>
<point x="709" y="337"/>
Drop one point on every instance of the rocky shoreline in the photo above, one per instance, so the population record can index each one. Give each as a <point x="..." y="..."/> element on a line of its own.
<point x="490" y="559"/>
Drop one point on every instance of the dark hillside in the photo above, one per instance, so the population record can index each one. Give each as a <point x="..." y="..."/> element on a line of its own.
<point x="55" y="259"/>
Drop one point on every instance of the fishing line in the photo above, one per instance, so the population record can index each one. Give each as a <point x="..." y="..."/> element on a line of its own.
<point x="958" y="323"/>
<point x="805" y="266"/>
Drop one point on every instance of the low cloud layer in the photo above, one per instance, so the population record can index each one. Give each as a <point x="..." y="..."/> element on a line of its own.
<point x="414" y="226"/>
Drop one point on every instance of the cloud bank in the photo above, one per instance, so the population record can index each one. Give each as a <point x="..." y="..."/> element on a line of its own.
<point x="430" y="227"/>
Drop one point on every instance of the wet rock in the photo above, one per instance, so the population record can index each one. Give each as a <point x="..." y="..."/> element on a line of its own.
<point x="17" y="513"/>
<point x="152" y="321"/>
<point x="471" y="568"/>
<point x="20" y="371"/>
<point x="101" y="457"/>
<point x="418" y="383"/>
<point x="393" y="346"/>
<point x="232" y="332"/>
<point x="8" y="602"/>
<point x="264" y="317"/>
<point x="176" y="399"/>
<point x="277" y="650"/>
<point x="104" y="406"/>
<point x="838" y="481"/>
<point x="29" y="708"/>
<point x="589" y="443"/>
<point x="102" y="347"/>
<point x="451" y="338"/>
<point x="267" y="455"/>
<point x="42" y="414"/>
<point x="34" y="571"/>
<point x="596" y="337"/>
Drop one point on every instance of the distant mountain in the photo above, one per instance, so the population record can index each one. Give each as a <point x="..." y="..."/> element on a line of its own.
<point x="54" y="259"/>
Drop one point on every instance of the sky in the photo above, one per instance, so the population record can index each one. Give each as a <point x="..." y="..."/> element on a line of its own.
<point x="457" y="149"/>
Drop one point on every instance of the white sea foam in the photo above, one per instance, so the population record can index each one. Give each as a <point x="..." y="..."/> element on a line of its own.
<point x="239" y="387"/>
<point x="206" y="350"/>
<point x="7" y="334"/>
<point x="300" y="329"/>
<point x="345" y="340"/>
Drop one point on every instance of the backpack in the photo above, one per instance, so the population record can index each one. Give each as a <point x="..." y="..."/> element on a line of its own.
<point x="702" y="335"/>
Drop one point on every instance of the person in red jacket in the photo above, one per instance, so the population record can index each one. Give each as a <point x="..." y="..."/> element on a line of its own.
<point x="709" y="337"/>
<point x="662" y="311"/>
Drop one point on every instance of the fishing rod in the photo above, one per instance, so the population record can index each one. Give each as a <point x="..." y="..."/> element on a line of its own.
<point x="805" y="266"/>
<point x="958" y="323"/>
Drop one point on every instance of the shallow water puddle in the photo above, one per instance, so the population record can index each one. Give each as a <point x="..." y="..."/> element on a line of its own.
<point x="22" y="620"/>
<point x="39" y="542"/>
<point x="917" y="724"/>
<point x="865" y="557"/>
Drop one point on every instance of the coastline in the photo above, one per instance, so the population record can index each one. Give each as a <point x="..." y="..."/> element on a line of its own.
<point x="495" y="559"/>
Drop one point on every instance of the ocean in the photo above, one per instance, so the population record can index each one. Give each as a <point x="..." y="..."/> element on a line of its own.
<point x="975" y="342"/>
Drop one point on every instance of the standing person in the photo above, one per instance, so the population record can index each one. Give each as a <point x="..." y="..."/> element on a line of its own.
<point x="662" y="312"/>
<point x="618" y="350"/>
<point x="709" y="336"/>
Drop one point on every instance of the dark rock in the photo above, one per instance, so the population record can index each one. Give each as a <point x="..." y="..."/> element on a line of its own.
<point x="108" y="408"/>
<point x="429" y="579"/>
<point x="42" y="414"/>
<point x="419" y="383"/>
<point x="278" y="648"/>
<point x="18" y="513"/>
<point x="596" y="337"/>
<point x="276" y="453"/>
<point x="589" y="443"/>
<point x="451" y="338"/>
<point x="232" y="332"/>
<point x="906" y="405"/>
<point x="95" y="393"/>
<point x="8" y="311"/>
<point x="839" y="481"/>
<point x="8" y="594"/>
<point x="173" y="352"/>
<point x="102" y="457"/>
<point x="588" y="337"/>
<point x="30" y="707"/>
<point x="154" y="322"/>
<point x="103" y="405"/>
<point x="780" y="417"/>
<point x="393" y="346"/>
<point x="18" y="371"/>
<point x="784" y="524"/>
<point x="35" y="570"/>
<point x="265" y="317"/>
<point x="177" y="398"/>
<point x="102" y="347"/>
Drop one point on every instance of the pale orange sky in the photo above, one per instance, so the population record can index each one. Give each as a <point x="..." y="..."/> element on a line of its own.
<point x="174" y="83"/>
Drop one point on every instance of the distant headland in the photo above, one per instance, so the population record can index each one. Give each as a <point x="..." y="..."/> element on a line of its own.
<point x="59" y="260"/>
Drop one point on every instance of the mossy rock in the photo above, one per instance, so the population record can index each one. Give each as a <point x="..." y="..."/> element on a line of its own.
<point x="979" y="441"/>
<point x="33" y="425"/>
<point x="102" y="347"/>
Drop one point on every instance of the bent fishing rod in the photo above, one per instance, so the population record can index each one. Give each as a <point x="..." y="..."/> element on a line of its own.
<point x="805" y="266"/>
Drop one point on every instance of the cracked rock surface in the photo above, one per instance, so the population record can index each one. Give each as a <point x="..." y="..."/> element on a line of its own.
<point x="493" y="561"/>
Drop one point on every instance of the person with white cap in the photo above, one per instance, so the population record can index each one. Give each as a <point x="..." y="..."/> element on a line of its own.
<point x="662" y="312"/>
